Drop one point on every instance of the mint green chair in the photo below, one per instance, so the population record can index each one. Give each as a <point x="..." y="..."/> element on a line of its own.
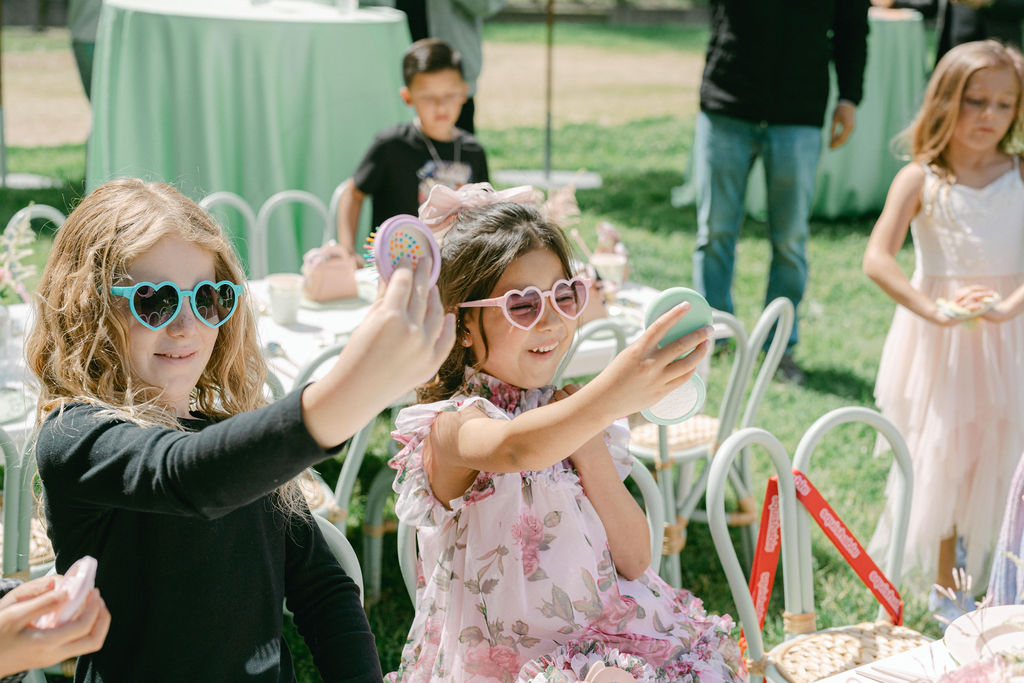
<point x="342" y="550"/>
<point x="259" y="262"/>
<point x="695" y="440"/>
<point x="809" y="654"/>
<point x="236" y="202"/>
<point x="34" y="211"/>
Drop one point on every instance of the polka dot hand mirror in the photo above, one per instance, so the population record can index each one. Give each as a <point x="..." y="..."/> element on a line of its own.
<point x="405" y="236"/>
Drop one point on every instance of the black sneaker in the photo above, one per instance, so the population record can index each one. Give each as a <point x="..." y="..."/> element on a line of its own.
<point x="789" y="372"/>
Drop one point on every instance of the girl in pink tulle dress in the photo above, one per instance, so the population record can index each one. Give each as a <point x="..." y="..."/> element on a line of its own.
<point x="951" y="375"/>
<point x="533" y="556"/>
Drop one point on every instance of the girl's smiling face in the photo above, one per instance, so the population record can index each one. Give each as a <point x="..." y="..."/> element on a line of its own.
<point x="524" y="358"/>
<point x="173" y="357"/>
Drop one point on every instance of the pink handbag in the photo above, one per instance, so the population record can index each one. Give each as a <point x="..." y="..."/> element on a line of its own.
<point x="330" y="273"/>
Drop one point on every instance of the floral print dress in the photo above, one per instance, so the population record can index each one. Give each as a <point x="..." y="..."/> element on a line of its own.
<point x="516" y="582"/>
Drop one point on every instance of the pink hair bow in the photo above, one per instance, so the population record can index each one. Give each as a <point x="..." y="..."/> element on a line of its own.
<point x="443" y="203"/>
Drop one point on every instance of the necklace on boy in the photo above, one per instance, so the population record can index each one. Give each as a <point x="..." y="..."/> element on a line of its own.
<point x="433" y="150"/>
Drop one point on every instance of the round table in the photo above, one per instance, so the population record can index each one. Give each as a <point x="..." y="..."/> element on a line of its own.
<point x="246" y="97"/>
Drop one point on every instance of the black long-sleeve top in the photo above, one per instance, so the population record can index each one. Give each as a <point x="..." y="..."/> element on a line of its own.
<point x="767" y="61"/>
<point x="195" y="556"/>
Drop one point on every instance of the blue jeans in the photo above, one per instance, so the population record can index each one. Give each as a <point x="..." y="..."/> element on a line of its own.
<point x="724" y="150"/>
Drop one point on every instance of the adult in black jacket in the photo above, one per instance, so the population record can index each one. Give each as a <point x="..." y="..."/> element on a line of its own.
<point x="764" y="93"/>
<point x="967" y="20"/>
<point x="160" y="458"/>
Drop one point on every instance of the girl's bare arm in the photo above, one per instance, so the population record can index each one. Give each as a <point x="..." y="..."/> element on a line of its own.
<point x="902" y="204"/>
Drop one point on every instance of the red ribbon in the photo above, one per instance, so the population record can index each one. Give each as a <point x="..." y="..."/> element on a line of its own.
<point x="769" y="542"/>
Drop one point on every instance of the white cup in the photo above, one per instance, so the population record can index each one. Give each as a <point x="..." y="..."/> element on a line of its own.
<point x="346" y="6"/>
<point x="285" y="295"/>
<point x="610" y="266"/>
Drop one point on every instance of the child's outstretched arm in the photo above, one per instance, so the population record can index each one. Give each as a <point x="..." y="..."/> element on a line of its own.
<point x="400" y="344"/>
<point x="464" y="442"/>
<point x="902" y="204"/>
<point x="350" y="205"/>
<point x="623" y="520"/>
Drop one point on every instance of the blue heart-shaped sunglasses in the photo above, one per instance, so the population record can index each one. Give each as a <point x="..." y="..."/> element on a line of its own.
<point x="156" y="305"/>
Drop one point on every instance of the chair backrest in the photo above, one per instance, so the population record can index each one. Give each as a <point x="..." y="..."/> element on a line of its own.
<point x="904" y="480"/>
<point x="254" y="248"/>
<point x="33" y="211"/>
<point x="261" y="268"/>
<point x="342" y="550"/>
<point x="332" y="207"/>
<point x="778" y="315"/>
<point x="653" y="507"/>
<point x="607" y="327"/>
<point x="19" y="510"/>
<point x="309" y="370"/>
<point x="721" y="466"/>
<point x="274" y="385"/>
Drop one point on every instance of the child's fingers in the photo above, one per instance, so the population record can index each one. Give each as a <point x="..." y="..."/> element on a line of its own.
<point x="399" y="287"/>
<point x="670" y="352"/>
<point x="446" y="339"/>
<point x="433" y="315"/>
<point x="682" y="369"/>
<point x="659" y="328"/>
<point x="87" y="632"/>
<point x="420" y="289"/>
<point x="24" y="612"/>
<point x="29" y="589"/>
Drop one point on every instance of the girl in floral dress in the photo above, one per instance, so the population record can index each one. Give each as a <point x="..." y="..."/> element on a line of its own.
<point x="534" y="557"/>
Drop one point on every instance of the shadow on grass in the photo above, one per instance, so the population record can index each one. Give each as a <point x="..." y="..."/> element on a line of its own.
<point x="839" y="382"/>
<point x="640" y="199"/>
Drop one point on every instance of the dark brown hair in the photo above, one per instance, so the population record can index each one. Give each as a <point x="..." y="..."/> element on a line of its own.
<point x="427" y="56"/>
<point x="474" y="254"/>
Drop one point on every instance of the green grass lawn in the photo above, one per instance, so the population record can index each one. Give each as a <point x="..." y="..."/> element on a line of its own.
<point x="844" y="319"/>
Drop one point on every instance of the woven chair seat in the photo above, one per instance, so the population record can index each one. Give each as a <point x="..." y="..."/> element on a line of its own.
<point x="40" y="549"/>
<point x="320" y="498"/>
<point x="825" y="653"/>
<point x="699" y="430"/>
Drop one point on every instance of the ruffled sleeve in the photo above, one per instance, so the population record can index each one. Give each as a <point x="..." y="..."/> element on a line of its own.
<point x="616" y="437"/>
<point x="417" y="505"/>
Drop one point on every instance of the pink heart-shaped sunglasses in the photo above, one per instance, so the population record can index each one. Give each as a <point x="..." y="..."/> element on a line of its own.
<point x="524" y="308"/>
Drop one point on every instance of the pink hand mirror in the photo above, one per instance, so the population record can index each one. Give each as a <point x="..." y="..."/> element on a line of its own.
<point x="405" y="236"/>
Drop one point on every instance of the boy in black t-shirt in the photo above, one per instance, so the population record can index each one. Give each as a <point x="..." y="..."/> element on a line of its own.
<point x="406" y="160"/>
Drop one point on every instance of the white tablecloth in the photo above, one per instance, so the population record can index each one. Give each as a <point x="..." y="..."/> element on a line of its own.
<point x="320" y="326"/>
<point x="926" y="661"/>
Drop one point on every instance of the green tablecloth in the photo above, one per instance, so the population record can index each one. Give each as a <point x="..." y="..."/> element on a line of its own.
<point x="248" y="97"/>
<point x="854" y="179"/>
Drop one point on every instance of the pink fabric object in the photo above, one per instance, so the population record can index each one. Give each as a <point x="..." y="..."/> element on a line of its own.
<point x="443" y="203"/>
<point x="956" y="394"/>
<point x="517" y="581"/>
<point x="76" y="584"/>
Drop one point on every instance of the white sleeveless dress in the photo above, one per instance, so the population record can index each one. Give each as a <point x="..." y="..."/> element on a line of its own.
<point x="957" y="393"/>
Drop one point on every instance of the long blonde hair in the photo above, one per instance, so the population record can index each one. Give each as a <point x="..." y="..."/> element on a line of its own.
<point x="78" y="345"/>
<point x="932" y="129"/>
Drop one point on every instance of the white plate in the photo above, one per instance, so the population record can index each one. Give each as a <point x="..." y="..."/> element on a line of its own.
<point x="986" y="631"/>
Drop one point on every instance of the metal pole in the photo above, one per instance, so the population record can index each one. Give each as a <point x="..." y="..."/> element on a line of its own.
<point x="3" y="140"/>
<point x="547" y="92"/>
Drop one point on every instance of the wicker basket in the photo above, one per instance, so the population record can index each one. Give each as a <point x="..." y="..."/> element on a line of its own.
<point x="699" y="430"/>
<point x="818" y="655"/>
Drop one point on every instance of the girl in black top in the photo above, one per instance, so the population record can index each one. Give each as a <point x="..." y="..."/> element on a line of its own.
<point x="159" y="457"/>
